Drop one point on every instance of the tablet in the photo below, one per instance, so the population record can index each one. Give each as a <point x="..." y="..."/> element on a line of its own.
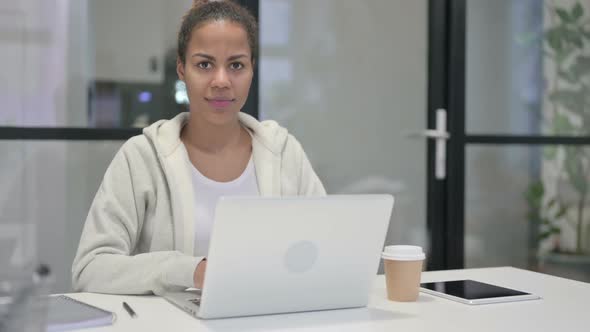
<point x="474" y="292"/>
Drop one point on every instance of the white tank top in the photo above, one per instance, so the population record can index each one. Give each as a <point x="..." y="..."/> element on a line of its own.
<point x="207" y="192"/>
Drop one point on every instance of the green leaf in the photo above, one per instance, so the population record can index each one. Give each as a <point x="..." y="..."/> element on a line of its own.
<point x="577" y="40"/>
<point x="562" y="125"/>
<point x="554" y="38"/>
<point x="582" y="66"/>
<point x="573" y="37"/>
<point x="531" y="216"/>
<point x="534" y="194"/>
<point x="585" y="33"/>
<point x="562" y="211"/>
<point x="563" y="56"/>
<point x="563" y="15"/>
<point x="570" y="99"/>
<point x="536" y="190"/>
<point x="577" y="11"/>
<point x="569" y="76"/>
<point x="544" y="235"/>
<point x="574" y="169"/>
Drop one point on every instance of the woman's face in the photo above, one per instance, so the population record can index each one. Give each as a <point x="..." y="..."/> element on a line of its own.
<point x="218" y="71"/>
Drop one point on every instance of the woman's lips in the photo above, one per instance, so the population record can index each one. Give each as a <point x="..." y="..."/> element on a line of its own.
<point x="219" y="103"/>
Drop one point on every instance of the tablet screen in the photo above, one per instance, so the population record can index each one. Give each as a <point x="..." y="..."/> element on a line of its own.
<point x="471" y="289"/>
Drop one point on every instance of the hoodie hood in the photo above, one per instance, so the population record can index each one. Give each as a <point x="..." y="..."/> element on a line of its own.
<point x="165" y="134"/>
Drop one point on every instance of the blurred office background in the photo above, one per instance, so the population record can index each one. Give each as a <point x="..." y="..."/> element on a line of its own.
<point x="350" y="79"/>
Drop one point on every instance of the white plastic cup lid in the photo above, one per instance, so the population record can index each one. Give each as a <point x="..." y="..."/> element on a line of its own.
<point x="403" y="253"/>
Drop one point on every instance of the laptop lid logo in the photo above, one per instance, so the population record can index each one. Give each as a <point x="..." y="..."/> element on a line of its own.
<point x="301" y="256"/>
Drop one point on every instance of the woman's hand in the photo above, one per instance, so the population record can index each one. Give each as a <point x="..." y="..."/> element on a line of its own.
<point x="199" y="275"/>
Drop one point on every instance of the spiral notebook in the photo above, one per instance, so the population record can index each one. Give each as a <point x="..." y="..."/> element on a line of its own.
<point x="65" y="313"/>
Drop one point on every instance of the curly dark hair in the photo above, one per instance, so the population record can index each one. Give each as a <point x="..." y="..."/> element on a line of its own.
<point x="204" y="11"/>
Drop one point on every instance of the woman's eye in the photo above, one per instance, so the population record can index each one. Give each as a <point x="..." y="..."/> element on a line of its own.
<point x="236" y="66"/>
<point x="204" y="65"/>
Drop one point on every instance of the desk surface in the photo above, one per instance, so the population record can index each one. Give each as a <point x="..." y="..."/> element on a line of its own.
<point x="564" y="307"/>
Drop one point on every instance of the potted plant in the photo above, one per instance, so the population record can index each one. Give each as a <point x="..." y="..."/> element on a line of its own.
<point x="559" y="203"/>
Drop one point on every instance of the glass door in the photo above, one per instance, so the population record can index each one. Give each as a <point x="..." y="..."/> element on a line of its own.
<point x="518" y="86"/>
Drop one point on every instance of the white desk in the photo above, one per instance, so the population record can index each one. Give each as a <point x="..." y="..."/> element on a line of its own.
<point x="564" y="307"/>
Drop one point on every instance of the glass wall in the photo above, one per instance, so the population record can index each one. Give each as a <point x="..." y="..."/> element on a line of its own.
<point x="89" y="63"/>
<point x="528" y="73"/>
<point x="504" y="66"/>
<point x="525" y="211"/>
<point x="84" y="64"/>
<point x="49" y="185"/>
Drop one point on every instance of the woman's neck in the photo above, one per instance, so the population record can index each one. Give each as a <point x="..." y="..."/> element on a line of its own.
<point x="211" y="138"/>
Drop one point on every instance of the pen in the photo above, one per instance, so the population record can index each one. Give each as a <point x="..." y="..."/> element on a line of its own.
<point x="129" y="310"/>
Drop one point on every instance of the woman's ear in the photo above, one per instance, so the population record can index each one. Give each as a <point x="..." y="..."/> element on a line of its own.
<point x="180" y="69"/>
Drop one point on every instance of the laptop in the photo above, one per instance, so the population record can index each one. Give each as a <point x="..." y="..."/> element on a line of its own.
<point x="290" y="254"/>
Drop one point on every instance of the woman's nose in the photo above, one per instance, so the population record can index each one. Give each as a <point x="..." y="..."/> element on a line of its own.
<point x="221" y="79"/>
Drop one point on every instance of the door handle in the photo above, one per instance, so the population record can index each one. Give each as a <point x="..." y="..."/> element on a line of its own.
<point x="432" y="133"/>
<point x="440" y="135"/>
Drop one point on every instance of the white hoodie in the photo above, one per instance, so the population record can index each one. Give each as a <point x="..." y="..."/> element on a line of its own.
<point x="139" y="233"/>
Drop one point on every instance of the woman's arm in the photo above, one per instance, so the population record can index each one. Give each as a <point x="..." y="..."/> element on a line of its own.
<point x="104" y="262"/>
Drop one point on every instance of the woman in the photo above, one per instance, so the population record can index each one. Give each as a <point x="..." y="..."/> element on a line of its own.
<point x="148" y="228"/>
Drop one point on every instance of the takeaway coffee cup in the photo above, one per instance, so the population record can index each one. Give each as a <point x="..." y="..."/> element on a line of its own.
<point x="403" y="266"/>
